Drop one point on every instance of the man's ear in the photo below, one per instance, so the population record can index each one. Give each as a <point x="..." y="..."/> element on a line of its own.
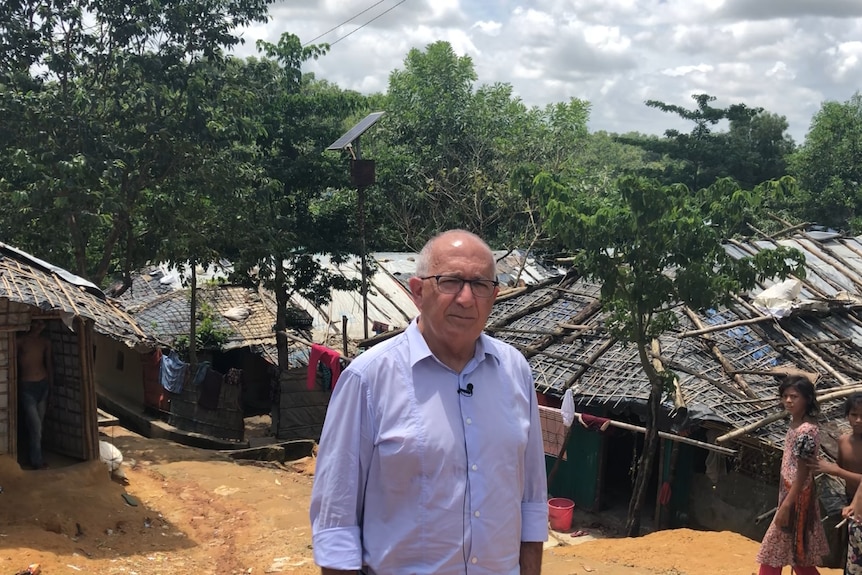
<point x="415" y="289"/>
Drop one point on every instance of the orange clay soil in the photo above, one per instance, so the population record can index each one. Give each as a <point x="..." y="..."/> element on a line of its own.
<point x="200" y="512"/>
<point x="678" y="551"/>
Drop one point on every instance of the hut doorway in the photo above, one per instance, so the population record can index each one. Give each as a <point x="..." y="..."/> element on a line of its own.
<point x="69" y="426"/>
<point x="623" y="451"/>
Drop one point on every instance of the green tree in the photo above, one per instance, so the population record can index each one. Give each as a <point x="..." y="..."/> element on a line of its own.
<point x="447" y="150"/>
<point x="758" y="148"/>
<point x="298" y="211"/>
<point x="104" y="104"/>
<point x="629" y="236"/>
<point x="752" y="151"/>
<point x="829" y="167"/>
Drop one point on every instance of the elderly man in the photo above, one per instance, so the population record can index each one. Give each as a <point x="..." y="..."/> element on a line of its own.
<point x="431" y="458"/>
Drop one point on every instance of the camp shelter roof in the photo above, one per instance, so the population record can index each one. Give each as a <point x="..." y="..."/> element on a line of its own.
<point x="157" y="299"/>
<point x="29" y="280"/>
<point x="724" y="375"/>
<point x="389" y="300"/>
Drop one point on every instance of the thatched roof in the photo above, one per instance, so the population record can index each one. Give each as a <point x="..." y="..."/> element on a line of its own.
<point x="28" y="280"/>
<point x="156" y="300"/>
<point x="725" y="374"/>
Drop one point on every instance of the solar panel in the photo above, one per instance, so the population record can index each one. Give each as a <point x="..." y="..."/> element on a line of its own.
<point x="356" y="131"/>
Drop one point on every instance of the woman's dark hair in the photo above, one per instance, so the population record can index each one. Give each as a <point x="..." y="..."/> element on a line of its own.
<point x="805" y="388"/>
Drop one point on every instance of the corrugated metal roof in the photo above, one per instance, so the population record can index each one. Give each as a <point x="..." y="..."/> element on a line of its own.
<point x="389" y="300"/>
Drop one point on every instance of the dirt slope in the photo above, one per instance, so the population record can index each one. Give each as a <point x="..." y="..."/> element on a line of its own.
<point x="199" y="512"/>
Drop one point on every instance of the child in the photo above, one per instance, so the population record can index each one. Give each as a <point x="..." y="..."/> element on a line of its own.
<point x="853" y="513"/>
<point x="796" y="535"/>
<point x="849" y="468"/>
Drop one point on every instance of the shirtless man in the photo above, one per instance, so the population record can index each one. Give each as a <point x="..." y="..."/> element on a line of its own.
<point x="848" y="466"/>
<point x="35" y="378"/>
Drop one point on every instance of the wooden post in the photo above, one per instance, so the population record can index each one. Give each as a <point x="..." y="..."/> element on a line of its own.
<point x="344" y="334"/>
<point x="658" y="505"/>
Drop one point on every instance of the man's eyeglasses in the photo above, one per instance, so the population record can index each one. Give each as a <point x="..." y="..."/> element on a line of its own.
<point x="452" y="284"/>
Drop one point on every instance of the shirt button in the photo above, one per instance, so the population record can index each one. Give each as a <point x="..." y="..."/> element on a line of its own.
<point x="476" y="514"/>
<point x="474" y="560"/>
<point x="469" y="421"/>
<point x="474" y="467"/>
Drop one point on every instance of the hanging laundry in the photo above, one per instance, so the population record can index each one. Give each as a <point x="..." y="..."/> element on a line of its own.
<point x="568" y="408"/>
<point x="330" y="358"/>
<point x="173" y="372"/>
<point x="210" y="389"/>
<point x="593" y="422"/>
<point x="233" y="376"/>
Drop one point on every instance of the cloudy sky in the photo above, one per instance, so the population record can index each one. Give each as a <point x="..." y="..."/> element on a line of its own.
<point x="787" y="56"/>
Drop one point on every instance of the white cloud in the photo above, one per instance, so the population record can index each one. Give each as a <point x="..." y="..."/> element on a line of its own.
<point x="686" y="70"/>
<point x="847" y="57"/>
<point x="488" y="27"/>
<point x="787" y="56"/>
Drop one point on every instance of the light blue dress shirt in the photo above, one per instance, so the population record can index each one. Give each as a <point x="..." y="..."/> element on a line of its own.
<point x="415" y="478"/>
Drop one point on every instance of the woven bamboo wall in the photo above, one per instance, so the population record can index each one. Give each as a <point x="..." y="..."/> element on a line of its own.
<point x="14" y="317"/>
<point x="226" y="422"/>
<point x="7" y="343"/>
<point x="71" y="425"/>
<point x="301" y="411"/>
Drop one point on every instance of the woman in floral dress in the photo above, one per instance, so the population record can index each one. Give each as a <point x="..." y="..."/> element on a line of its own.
<point x="796" y="535"/>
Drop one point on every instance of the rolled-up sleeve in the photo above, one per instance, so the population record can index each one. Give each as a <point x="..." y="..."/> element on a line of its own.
<point x="340" y="477"/>
<point x="534" y="504"/>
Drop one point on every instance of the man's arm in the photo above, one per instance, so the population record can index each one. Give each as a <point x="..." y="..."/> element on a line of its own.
<point x="534" y="503"/>
<point x="531" y="558"/>
<point x="340" y="477"/>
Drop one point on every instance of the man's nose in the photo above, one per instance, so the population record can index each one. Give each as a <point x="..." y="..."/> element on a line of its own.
<point x="466" y="292"/>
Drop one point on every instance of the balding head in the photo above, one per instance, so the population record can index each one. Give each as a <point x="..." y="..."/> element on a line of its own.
<point x="452" y="238"/>
<point x="451" y="269"/>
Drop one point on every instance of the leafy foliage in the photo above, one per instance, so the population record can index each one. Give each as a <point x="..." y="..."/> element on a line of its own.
<point x="653" y="248"/>
<point x="752" y="151"/>
<point x="829" y="167"/>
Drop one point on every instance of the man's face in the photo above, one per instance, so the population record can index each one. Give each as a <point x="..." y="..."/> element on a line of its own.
<point x="454" y="320"/>
<point x="854" y="417"/>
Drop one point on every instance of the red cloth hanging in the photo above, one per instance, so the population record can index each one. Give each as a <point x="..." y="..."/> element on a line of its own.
<point x="329" y="357"/>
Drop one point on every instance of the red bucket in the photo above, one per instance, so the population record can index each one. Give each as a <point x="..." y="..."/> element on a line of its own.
<point x="560" y="513"/>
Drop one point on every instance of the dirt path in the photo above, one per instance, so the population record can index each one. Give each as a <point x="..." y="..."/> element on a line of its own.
<point x="200" y="512"/>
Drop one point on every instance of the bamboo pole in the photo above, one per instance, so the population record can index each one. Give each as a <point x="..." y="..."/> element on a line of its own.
<point x="796" y="343"/>
<point x="716" y="353"/>
<point x="700" y="375"/>
<point x="588" y="364"/>
<point x="678" y="438"/>
<point x="788" y="227"/>
<point x="821" y="398"/>
<point x="729" y="325"/>
<point x="832" y="260"/>
<point x="813" y="356"/>
<point x="577" y="327"/>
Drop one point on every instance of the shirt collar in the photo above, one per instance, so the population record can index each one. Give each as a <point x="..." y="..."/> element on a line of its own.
<point x="419" y="347"/>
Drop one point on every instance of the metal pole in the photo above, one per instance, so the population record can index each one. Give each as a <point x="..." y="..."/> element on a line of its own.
<point x="362" y="255"/>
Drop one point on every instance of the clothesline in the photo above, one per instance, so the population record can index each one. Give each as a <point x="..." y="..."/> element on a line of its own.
<point x="671" y="436"/>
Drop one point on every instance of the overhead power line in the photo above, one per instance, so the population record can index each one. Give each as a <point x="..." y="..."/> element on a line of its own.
<point x="361" y="26"/>
<point x="352" y="18"/>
